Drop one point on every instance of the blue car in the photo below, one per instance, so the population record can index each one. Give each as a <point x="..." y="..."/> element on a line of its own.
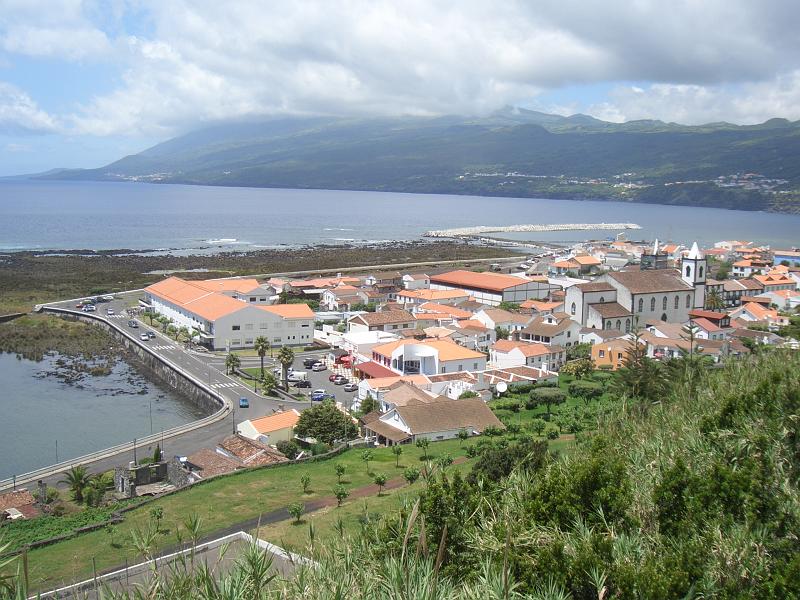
<point x="320" y="395"/>
<point x="244" y="403"/>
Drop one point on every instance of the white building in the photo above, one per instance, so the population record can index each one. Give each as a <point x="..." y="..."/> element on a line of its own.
<point x="428" y="357"/>
<point x="223" y="322"/>
<point x="493" y="288"/>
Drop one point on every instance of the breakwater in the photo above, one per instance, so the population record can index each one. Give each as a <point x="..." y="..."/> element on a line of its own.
<point x="481" y="229"/>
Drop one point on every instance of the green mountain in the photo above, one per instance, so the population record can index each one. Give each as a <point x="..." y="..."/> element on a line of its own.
<point x="512" y="152"/>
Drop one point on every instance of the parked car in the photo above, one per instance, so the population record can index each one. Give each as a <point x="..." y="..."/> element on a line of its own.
<point x="318" y="395"/>
<point x="244" y="403"/>
<point x="144" y="337"/>
<point x="151" y="334"/>
<point x="279" y="371"/>
<point x="318" y="367"/>
<point x="80" y="305"/>
<point x="303" y="383"/>
<point x="351" y="387"/>
<point x="340" y="380"/>
<point x="309" y="362"/>
<point x="297" y="376"/>
<point x="109" y="311"/>
<point x="133" y="324"/>
<point x="89" y="308"/>
<point x="333" y="377"/>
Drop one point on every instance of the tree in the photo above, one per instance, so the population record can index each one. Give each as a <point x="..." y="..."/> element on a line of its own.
<point x="296" y="510"/>
<point x="325" y="423"/>
<point x="368" y="405"/>
<point x="288" y="448"/>
<point x="77" y="479"/>
<point x="305" y="481"/>
<point x="468" y="394"/>
<point x="714" y="300"/>
<point x="185" y="333"/>
<point x="444" y="461"/>
<point x="501" y="333"/>
<point x="286" y="358"/>
<point x="411" y="474"/>
<point x="341" y="494"/>
<point x="157" y="454"/>
<point x="156" y="514"/>
<point x="585" y="390"/>
<point x="380" y="481"/>
<point x="366" y="456"/>
<point x="173" y="331"/>
<point x="99" y="484"/>
<point x="232" y="362"/>
<point x="268" y="383"/>
<point x="424" y="443"/>
<point x="261" y="346"/>
<point x="340" y="471"/>
<point x="547" y="396"/>
<point x="509" y="306"/>
<point x="397" y="450"/>
<point x="580" y="368"/>
<point x="579" y="351"/>
<point x="463" y="435"/>
<point x="640" y="377"/>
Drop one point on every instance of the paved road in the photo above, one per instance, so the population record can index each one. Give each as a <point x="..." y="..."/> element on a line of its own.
<point x="209" y="368"/>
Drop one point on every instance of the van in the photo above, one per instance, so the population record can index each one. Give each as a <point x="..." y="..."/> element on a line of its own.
<point x="297" y="376"/>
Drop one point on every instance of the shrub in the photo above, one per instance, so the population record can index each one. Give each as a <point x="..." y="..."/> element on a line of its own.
<point x="288" y="448"/>
<point x="552" y="433"/>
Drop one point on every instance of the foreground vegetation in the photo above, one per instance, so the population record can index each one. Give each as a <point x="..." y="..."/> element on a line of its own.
<point x="33" y="336"/>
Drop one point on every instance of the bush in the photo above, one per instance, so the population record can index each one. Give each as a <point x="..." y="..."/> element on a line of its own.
<point x="521" y="388"/>
<point x="552" y="432"/>
<point x="585" y="390"/>
<point x="288" y="448"/>
<point x="492" y="431"/>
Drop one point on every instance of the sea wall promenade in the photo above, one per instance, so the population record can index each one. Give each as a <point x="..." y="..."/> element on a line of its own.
<point x="480" y="229"/>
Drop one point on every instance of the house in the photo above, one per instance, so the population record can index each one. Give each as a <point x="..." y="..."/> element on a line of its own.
<point x="442" y="420"/>
<point x="554" y="328"/>
<point x="453" y="312"/>
<point x="598" y="336"/>
<point x="611" y="352"/>
<point x="405" y="393"/>
<point x="734" y="289"/>
<point x="377" y="387"/>
<point x="788" y="257"/>
<point x="708" y="330"/>
<point x="775" y="281"/>
<point x="222" y="321"/>
<point x="576" y="264"/>
<point x="388" y="320"/>
<point x="492" y="288"/>
<point x="755" y="313"/>
<point x="18" y="504"/>
<point x="428" y="357"/>
<point x="749" y="267"/>
<point x="416" y="281"/>
<point x="510" y="353"/>
<point x="784" y="299"/>
<point x="270" y="429"/>
<point x="494" y="318"/>
<point x="536" y="307"/>
<point x="415" y="297"/>
<point x="342" y="298"/>
<point x="473" y="334"/>
<point x="360" y="343"/>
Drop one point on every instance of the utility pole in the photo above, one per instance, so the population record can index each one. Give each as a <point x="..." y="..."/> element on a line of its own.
<point x="134" y="452"/>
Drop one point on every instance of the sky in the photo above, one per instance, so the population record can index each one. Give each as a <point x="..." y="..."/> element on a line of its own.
<point x="83" y="83"/>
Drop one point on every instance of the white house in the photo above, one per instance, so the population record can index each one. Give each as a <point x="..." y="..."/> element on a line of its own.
<point x="553" y="328"/>
<point x="388" y="320"/>
<point x="428" y="357"/>
<point x="416" y="281"/>
<point x="270" y="429"/>
<point x="497" y="317"/>
<point x="510" y="353"/>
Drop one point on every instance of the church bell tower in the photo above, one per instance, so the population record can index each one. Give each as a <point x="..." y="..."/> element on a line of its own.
<point x="694" y="271"/>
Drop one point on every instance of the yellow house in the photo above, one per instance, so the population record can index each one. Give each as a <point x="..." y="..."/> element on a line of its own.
<point x="272" y="428"/>
<point x="611" y="352"/>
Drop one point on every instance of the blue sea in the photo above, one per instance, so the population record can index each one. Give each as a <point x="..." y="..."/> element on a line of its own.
<point x="55" y="215"/>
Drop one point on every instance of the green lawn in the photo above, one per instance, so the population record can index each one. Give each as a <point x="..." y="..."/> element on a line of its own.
<point x="220" y="503"/>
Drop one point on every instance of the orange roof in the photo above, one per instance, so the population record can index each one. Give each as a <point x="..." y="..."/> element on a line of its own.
<point x="773" y="278"/>
<point x="587" y="260"/>
<point x="494" y="282"/>
<point x="433" y="294"/>
<point x="206" y="304"/>
<point x="456" y="313"/>
<point x="759" y="312"/>
<point x="384" y="382"/>
<point x="471" y="324"/>
<point x="276" y="422"/>
<point x="506" y="346"/>
<point x="446" y="349"/>
<point x="289" y="311"/>
<point x="241" y="286"/>
<point x="541" y="305"/>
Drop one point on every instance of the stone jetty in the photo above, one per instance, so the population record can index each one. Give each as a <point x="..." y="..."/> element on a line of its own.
<point x="481" y="229"/>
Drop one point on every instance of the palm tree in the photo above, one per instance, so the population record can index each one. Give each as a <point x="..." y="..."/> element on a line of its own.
<point x="714" y="300"/>
<point x="286" y="358"/>
<point x="268" y="383"/>
<point x="99" y="484"/>
<point x="77" y="478"/>
<point x="232" y="362"/>
<point x="261" y="346"/>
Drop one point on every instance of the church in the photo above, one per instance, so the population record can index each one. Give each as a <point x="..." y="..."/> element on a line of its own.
<point x="624" y="299"/>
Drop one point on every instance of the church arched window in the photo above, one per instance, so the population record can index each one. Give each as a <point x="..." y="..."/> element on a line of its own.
<point x="627" y="325"/>
<point x="700" y="272"/>
<point x="688" y="301"/>
<point x="677" y="301"/>
<point x="688" y="271"/>
<point x="619" y="325"/>
<point x="641" y="305"/>
<point x="664" y="303"/>
<point x="607" y="325"/>
<point x="664" y="317"/>
<point x="572" y="309"/>
<point x="602" y="299"/>
<point x="652" y="304"/>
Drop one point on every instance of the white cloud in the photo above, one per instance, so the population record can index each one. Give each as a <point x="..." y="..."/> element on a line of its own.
<point x="203" y="60"/>
<point x="20" y="114"/>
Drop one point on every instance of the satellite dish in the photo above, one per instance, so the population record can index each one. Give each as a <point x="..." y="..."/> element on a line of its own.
<point x="501" y="387"/>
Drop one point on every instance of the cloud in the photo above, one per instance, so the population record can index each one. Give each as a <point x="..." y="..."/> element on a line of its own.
<point x="201" y="61"/>
<point x="19" y="114"/>
<point x="697" y="104"/>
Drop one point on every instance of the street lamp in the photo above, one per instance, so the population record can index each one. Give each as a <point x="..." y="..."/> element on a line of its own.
<point x="151" y="417"/>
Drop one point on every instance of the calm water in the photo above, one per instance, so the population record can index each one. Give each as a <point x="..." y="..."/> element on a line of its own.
<point x="87" y="215"/>
<point x="38" y="410"/>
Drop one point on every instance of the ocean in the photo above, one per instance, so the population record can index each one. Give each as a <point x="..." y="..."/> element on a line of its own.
<point x="56" y="215"/>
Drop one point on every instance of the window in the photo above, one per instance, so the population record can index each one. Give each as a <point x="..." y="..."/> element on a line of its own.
<point x="474" y="366"/>
<point x="619" y="325"/>
<point x="602" y="353"/>
<point x="304" y="325"/>
<point x="627" y="325"/>
<point x="652" y="304"/>
<point x="569" y="333"/>
<point x="688" y="271"/>
<point x="664" y="303"/>
<point x="688" y="300"/>
<point x="248" y="341"/>
<point x="248" y="327"/>
<point x="236" y="342"/>
<point x="641" y="305"/>
<point x="263" y="325"/>
<point x="572" y="309"/>
<point x="252" y="298"/>
<point x="602" y="299"/>
<point x="443" y="369"/>
<point x="277" y="339"/>
<point x="700" y="272"/>
<point x="607" y="325"/>
<point x="460" y="367"/>
<point x="677" y="301"/>
<point x="236" y="327"/>
<point x="394" y="326"/>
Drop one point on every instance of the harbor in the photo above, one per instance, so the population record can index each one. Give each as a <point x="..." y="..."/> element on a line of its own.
<point x="536" y="228"/>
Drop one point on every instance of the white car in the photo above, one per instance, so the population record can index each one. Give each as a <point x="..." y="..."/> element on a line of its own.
<point x="144" y="337"/>
<point x="318" y="367"/>
<point x="110" y="311"/>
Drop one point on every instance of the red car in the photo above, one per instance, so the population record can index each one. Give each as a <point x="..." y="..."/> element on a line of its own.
<point x="332" y="376"/>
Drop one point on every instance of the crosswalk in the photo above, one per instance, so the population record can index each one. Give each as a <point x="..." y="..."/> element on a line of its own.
<point x="162" y="347"/>
<point x="227" y="384"/>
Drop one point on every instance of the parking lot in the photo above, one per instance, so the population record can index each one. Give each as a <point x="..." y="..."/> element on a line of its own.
<point x="319" y="380"/>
